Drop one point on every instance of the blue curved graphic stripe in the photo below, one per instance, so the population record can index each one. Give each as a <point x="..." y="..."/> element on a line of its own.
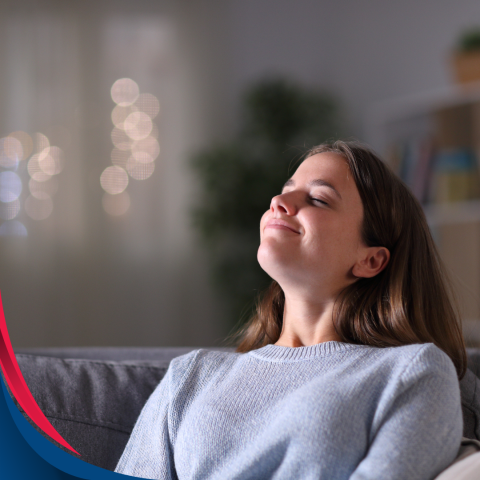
<point x="17" y="460"/>
<point x="26" y="454"/>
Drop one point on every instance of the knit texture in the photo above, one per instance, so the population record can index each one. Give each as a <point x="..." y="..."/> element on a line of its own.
<point x="328" y="411"/>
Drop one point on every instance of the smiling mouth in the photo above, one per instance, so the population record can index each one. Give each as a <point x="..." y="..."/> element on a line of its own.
<point x="279" y="225"/>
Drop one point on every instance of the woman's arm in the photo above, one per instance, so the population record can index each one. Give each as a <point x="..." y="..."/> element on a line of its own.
<point x="148" y="453"/>
<point x="418" y="433"/>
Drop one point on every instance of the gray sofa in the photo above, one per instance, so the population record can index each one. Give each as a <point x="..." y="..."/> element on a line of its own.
<point x="93" y="396"/>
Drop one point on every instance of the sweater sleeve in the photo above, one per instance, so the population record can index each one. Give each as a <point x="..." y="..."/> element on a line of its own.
<point x="148" y="453"/>
<point x="416" y="433"/>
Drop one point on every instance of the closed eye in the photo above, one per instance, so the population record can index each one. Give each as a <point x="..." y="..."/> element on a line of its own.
<point x="317" y="200"/>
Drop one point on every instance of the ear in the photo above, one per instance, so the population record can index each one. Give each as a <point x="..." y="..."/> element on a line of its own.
<point x="374" y="260"/>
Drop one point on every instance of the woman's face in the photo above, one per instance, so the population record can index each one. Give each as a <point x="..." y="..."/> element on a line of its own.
<point x="310" y="236"/>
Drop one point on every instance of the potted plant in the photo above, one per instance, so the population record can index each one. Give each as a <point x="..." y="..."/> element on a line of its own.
<point x="466" y="58"/>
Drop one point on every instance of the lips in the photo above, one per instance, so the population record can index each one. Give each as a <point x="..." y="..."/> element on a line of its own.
<point x="280" y="224"/>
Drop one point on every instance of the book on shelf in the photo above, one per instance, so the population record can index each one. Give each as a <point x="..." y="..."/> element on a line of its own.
<point x="436" y="175"/>
<point x="422" y="172"/>
<point x="456" y="176"/>
<point x="454" y="127"/>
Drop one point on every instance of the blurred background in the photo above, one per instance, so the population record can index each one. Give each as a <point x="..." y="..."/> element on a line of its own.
<point x="141" y="141"/>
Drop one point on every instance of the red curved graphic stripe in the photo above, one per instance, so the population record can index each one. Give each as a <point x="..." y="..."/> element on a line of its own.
<point x="18" y="387"/>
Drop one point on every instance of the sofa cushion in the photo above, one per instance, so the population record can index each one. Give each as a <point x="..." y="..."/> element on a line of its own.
<point x="473" y="357"/>
<point x="465" y="469"/>
<point x="470" y="390"/>
<point x="92" y="404"/>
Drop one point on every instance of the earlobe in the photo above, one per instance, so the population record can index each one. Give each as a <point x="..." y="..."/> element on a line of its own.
<point x="375" y="260"/>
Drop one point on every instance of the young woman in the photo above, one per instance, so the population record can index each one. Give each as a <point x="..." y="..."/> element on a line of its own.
<point x="349" y="369"/>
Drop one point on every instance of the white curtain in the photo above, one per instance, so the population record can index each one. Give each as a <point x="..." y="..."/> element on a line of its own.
<point x="82" y="275"/>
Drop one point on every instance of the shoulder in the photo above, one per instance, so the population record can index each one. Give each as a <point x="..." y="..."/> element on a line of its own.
<point x="415" y="359"/>
<point x="420" y="374"/>
<point x="420" y="359"/>
<point x="397" y="369"/>
<point x="420" y="368"/>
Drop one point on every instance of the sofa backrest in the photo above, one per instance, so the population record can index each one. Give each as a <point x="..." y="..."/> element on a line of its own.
<point x="93" y="396"/>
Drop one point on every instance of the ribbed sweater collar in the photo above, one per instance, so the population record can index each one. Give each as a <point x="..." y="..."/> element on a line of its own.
<point x="289" y="354"/>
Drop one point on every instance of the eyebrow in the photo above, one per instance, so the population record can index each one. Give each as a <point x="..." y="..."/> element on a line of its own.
<point x="318" y="182"/>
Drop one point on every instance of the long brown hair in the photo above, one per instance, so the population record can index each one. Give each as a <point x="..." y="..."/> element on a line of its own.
<point x="410" y="301"/>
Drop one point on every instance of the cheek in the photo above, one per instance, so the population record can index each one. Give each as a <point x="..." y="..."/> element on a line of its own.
<point x="263" y="221"/>
<point x="332" y="239"/>
<point x="345" y="249"/>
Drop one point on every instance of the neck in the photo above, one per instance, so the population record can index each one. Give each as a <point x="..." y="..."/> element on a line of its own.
<point x="307" y="323"/>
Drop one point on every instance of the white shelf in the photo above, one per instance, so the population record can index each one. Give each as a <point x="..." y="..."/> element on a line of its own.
<point x="424" y="103"/>
<point x="413" y="118"/>
<point x="414" y="110"/>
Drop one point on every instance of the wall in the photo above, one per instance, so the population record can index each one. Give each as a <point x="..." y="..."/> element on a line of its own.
<point x="83" y="278"/>
<point x="365" y="51"/>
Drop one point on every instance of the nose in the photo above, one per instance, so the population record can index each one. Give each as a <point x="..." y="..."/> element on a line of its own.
<point x="283" y="204"/>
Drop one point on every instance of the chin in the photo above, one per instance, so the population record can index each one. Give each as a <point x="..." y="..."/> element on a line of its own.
<point x="274" y="261"/>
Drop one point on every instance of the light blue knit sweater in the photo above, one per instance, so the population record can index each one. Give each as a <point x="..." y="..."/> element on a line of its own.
<point x="329" y="411"/>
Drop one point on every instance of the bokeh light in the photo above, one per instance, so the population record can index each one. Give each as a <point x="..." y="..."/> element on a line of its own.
<point x="13" y="228"/>
<point x="116" y="205"/>
<point x="11" y="152"/>
<point x="124" y="92"/>
<point x="148" y="103"/>
<point x="120" y="157"/>
<point x="142" y="157"/>
<point x="43" y="190"/>
<point x="34" y="169"/>
<point x="139" y="171"/>
<point x="138" y="125"/>
<point x="121" y="140"/>
<point x="9" y="210"/>
<point x="27" y="143"/>
<point x="114" y="180"/>
<point x="135" y="140"/>
<point x="52" y="164"/>
<point x="10" y="186"/>
<point x="47" y="160"/>
<point x="149" y="145"/>
<point x="38" y="208"/>
<point x="47" y="165"/>
<point x="119" y="114"/>
<point x="41" y="144"/>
